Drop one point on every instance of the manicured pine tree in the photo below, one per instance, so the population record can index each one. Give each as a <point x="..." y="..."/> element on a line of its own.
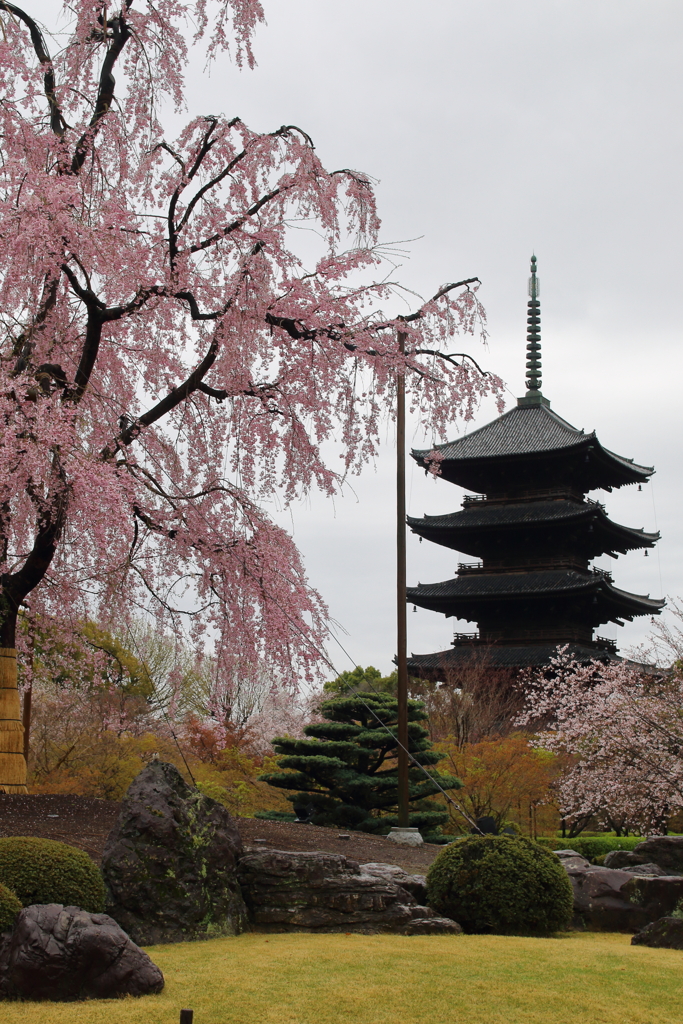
<point x="345" y="771"/>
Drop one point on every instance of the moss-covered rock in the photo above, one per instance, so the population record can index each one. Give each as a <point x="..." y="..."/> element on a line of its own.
<point x="170" y="862"/>
<point x="501" y="884"/>
<point x="45" y="871"/>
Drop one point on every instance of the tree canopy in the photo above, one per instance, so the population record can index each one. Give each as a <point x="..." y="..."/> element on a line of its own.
<point x="168" y="358"/>
<point x="345" y="771"/>
<point x="362" y="680"/>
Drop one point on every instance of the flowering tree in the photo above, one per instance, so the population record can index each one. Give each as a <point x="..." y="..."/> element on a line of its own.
<point x="168" y="360"/>
<point x="622" y="730"/>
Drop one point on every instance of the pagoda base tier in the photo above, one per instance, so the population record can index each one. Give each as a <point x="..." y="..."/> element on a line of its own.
<point x="436" y="666"/>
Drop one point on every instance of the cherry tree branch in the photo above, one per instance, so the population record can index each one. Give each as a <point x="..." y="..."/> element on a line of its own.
<point x="121" y="33"/>
<point x="57" y="122"/>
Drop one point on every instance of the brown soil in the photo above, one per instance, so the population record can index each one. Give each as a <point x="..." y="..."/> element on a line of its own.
<point x="77" y="820"/>
<point x="86" y="823"/>
<point x="284" y="835"/>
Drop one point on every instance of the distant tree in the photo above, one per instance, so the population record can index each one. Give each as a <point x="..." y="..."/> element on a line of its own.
<point x="362" y="680"/>
<point x="505" y="778"/>
<point x="345" y="770"/>
<point x="471" y="701"/>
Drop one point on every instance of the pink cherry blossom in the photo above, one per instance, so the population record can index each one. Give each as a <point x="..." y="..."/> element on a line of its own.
<point x="169" y="361"/>
<point x="621" y="729"/>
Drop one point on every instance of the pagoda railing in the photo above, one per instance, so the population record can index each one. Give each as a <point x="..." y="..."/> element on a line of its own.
<point x="551" y="635"/>
<point x="506" y="497"/>
<point x="530" y="565"/>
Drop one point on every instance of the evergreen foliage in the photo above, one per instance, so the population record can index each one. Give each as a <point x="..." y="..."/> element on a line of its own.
<point x="362" y="680"/>
<point x="345" y="771"/>
<point x="9" y="908"/>
<point x="45" y="871"/>
<point x="508" y="885"/>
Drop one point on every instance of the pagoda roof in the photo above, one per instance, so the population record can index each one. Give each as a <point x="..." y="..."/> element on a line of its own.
<point x="533" y="430"/>
<point x="462" y="593"/>
<point x="503" y="656"/>
<point x="482" y="516"/>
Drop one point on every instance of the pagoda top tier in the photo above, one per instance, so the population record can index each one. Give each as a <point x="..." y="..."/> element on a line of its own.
<point x="530" y="450"/>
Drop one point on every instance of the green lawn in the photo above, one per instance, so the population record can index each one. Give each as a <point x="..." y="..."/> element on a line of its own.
<point x="386" y="979"/>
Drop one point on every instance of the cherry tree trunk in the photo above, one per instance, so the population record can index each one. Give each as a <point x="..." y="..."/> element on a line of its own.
<point x="12" y="760"/>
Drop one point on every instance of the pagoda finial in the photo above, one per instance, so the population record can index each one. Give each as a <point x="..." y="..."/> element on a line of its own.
<point x="533" y="338"/>
<point x="533" y="343"/>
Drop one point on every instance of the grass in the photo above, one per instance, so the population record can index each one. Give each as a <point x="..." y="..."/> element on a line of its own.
<point x="384" y="979"/>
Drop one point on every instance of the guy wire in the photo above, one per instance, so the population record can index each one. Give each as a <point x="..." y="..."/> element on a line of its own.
<point x="356" y="693"/>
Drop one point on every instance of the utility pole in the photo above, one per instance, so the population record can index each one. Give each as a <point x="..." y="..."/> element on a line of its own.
<point x="401" y="623"/>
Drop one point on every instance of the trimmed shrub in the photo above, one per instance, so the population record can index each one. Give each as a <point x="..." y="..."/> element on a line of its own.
<point x="508" y="885"/>
<point x="592" y="847"/>
<point x="9" y="908"/>
<point x="45" y="871"/>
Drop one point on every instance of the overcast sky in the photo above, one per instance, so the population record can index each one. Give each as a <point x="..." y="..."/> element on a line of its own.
<point x="498" y="128"/>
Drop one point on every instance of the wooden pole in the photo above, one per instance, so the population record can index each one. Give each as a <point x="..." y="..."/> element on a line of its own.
<point x="28" y="692"/>
<point x="401" y="623"/>
<point x="12" y="761"/>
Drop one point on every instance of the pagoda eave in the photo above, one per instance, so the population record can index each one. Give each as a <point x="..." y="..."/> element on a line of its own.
<point x="472" y="597"/>
<point x="472" y="529"/>
<point x="503" y="656"/>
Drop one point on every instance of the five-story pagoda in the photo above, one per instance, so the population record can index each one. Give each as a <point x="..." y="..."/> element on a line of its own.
<point x="534" y="533"/>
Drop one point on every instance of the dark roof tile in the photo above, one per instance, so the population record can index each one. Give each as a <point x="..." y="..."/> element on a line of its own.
<point x="524" y="430"/>
<point x="527" y="656"/>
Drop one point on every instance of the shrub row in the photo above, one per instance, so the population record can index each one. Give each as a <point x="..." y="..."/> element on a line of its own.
<point x="45" y="871"/>
<point x="592" y="847"/>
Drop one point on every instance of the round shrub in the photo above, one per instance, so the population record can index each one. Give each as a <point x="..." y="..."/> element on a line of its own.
<point x="45" y="871"/>
<point x="508" y="885"/>
<point x="9" y="908"/>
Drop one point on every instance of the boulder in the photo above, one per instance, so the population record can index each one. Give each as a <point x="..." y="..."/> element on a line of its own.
<point x="659" y="897"/>
<point x="650" y="870"/>
<point x="416" y="885"/>
<point x="325" y="892"/>
<point x="609" y="899"/>
<point x="170" y="862"/>
<point x="664" y="851"/>
<point x="64" y="953"/>
<point x="571" y="859"/>
<point x="600" y="903"/>
<point x="667" y="933"/>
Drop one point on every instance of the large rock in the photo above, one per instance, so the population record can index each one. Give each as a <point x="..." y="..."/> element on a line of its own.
<point x="170" y="863"/>
<point x="325" y="892"/>
<point x="64" y="953"/>
<point x="664" y="851"/>
<point x="659" y="897"/>
<point x="609" y="899"/>
<point x="571" y="859"/>
<point x="667" y="933"/>
<point x="416" y="885"/>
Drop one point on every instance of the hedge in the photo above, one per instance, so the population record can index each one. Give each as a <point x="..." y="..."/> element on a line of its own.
<point x="9" y="908"/>
<point x="592" y="847"/>
<point x="45" y="871"/>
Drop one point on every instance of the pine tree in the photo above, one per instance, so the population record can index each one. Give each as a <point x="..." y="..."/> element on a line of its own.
<point x="345" y="771"/>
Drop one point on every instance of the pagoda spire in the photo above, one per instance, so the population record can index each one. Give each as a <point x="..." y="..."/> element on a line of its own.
<point x="533" y="344"/>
